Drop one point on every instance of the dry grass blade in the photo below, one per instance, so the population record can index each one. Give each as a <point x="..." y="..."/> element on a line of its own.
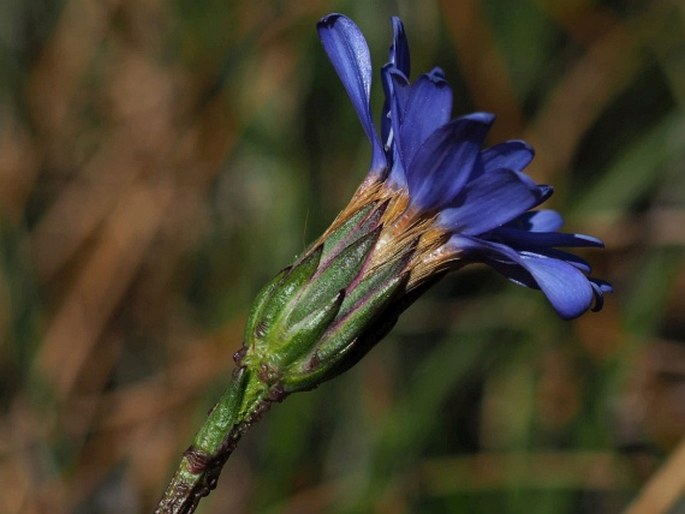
<point x="664" y="489"/>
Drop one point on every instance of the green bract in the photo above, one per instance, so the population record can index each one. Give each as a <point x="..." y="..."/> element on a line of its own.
<point x="304" y="323"/>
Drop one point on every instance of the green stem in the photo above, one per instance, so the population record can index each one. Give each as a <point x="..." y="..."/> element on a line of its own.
<point x="245" y="399"/>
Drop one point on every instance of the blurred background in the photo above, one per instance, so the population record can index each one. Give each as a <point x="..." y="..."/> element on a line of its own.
<point x="159" y="161"/>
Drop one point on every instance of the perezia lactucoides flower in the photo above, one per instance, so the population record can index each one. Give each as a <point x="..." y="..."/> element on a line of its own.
<point x="433" y="201"/>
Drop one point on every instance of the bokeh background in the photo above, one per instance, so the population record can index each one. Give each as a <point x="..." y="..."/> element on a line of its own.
<point x="160" y="160"/>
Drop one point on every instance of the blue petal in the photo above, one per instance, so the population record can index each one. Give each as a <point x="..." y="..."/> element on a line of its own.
<point x="600" y="288"/>
<point x="489" y="201"/>
<point x="523" y="238"/>
<point x="521" y="276"/>
<point x="514" y="155"/>
<point x="443" y="164"/>
<point x="568" y="290"/>
<point x="399" y="51"/>
<point x="428" y="107"/>
<point x="543" y="191"/>
<point x="386" y="122"/>
<point x="347" y="49"/>
<point x="568" y="258"/>
<point x="544" y="220"/>
<point x="399" y="60"/>
<point x="396" y="87"/>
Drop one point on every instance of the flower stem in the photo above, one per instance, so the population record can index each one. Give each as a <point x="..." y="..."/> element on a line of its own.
<point x="243" y="402"/>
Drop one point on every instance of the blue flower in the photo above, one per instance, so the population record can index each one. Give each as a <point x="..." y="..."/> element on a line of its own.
<point x="433" y="201"/>
<point x="448" y="198"/>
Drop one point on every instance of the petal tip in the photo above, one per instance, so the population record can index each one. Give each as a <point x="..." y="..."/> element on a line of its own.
<point x="330" y="19"/>
<point x="487" y="118"/>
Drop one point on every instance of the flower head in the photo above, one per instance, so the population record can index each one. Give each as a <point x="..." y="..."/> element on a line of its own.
<point x="433" y="201"/>
<point x="472" y="204"/>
